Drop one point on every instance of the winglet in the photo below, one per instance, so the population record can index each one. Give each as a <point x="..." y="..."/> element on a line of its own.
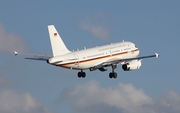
<point x="15" y="53"/>
<point x="157" y="55"/>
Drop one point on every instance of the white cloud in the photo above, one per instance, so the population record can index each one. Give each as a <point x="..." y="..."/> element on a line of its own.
<point x="13" y="102"/>
<point x="123" y="98"/>
<point x="10" y="42"/>
<point x="168" y="103"/>
<point x="96" y="26"/>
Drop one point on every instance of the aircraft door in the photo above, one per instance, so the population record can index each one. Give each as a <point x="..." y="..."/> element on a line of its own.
<point x="77" y="60"/>
<point x="110" y="53"/>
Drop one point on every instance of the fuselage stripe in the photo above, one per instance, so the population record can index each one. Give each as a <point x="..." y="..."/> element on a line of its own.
<point x="88" y="60"/>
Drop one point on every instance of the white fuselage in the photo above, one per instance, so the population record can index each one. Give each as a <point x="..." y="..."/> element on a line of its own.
<point x="87" y="58"/>
<point x="96" y="58"/>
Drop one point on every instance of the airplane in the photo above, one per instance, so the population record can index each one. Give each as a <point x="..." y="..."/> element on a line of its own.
<point x="95" y="58"/>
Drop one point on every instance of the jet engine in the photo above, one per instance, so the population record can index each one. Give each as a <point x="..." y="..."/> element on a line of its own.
<point x="131" y="65"/>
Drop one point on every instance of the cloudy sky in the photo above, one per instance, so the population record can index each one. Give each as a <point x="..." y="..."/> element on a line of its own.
<point x="33" y="86"/>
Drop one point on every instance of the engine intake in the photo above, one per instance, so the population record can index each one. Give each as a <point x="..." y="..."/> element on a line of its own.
<point x="131" y="65"/>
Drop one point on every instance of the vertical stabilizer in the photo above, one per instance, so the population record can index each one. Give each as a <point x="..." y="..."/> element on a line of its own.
<point x="57" y="44"/>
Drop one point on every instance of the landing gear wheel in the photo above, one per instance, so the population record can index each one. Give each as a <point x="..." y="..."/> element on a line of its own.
<point x="81" y="74"/>
<point x="110" y="75"/>
<point x="113" y="75"/>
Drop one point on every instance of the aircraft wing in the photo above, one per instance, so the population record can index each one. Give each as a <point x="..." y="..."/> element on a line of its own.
<point x="34" y="56"/>
<point x="101" y="66"/>
<point x="136" y="58"/>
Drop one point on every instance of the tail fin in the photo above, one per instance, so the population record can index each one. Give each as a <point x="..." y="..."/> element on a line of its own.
<point x="57" y="44"/>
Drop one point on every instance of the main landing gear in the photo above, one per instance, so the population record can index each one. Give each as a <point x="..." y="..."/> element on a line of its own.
<point x="81" y="74"/>
<point x="113" y="74"/>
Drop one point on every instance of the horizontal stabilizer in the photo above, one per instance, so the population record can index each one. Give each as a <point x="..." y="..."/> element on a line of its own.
<point x="15" y="53"/>
<point x="33" y="56"/>
<point x="157" y="55"/>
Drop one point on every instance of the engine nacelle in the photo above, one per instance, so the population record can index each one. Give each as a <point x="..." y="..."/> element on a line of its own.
<point x="131" y="65"/>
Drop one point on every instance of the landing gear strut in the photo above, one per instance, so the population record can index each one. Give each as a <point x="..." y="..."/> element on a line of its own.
<point x="81" y="74"/>
<point x="113" y="74"/>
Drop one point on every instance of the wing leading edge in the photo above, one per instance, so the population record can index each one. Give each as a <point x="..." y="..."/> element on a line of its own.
<point x="115" y="62"/>
<point x="136" y="58"/>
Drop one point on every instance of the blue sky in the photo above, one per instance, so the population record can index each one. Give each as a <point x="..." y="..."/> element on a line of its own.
<point x="33" y="86"/>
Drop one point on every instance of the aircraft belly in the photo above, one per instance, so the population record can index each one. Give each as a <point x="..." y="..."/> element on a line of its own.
<point x="80" y="65"/>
